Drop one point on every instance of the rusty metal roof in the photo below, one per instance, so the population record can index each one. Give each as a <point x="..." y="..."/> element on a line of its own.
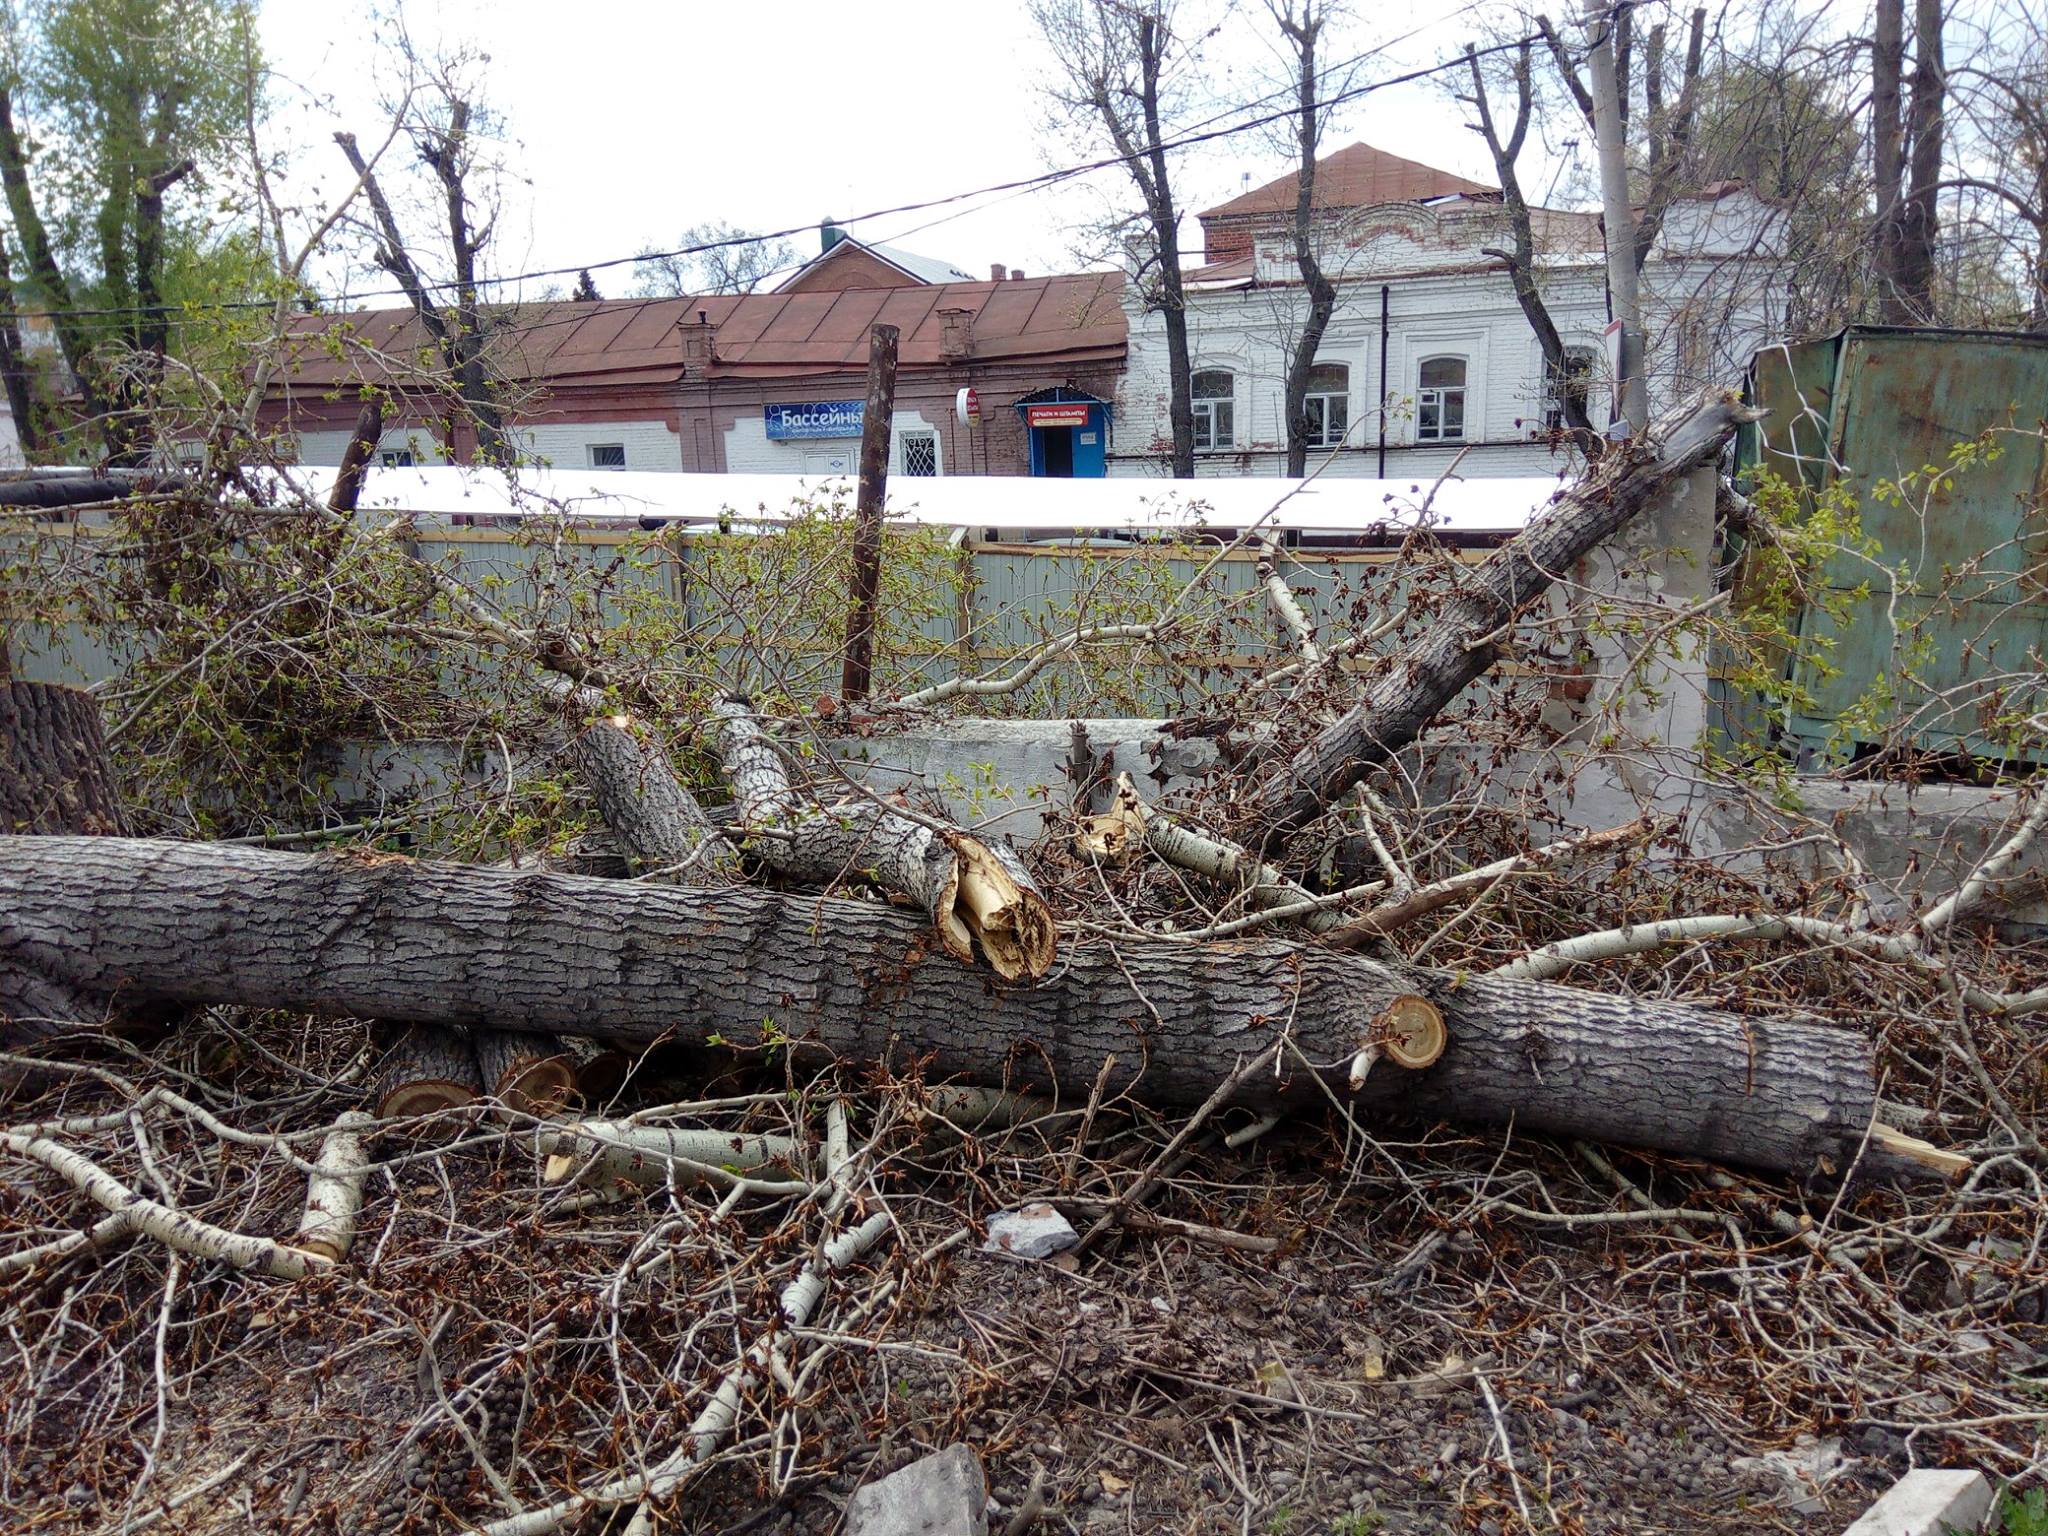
<point x="1355" y="177"/>
<point x="1075" y="318"/>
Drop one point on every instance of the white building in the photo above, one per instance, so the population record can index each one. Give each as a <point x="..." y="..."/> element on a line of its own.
<point x="1429" y="356"/>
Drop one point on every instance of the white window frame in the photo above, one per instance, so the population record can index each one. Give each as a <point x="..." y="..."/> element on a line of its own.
<point x="1441" y="393"/>
<point x="1204" y="409"/>
<point x="1316" y="406"/>
<point x="590" y="452"/>
<point x="397" y="458"/>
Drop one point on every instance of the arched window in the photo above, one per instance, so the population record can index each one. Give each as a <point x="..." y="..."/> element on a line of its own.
<point x="1327" y="404"/>
<point x="1215" y="398"/>
<point x="1572" y="383"/>
<point x="1440" y="401"/>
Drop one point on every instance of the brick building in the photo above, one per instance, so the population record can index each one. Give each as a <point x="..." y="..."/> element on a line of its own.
<point x="753" y="383"/>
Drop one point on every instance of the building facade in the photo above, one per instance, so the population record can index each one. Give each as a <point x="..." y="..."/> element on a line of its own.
<point x="1429" y="359"/>
<point x="755" y="383"/>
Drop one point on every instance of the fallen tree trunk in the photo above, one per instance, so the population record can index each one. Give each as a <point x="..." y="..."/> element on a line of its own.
<point x="54" y="779"/>
<point x="540" y="952"/>
<point x="1470" y="633"/>
<point x="977" y="893"/>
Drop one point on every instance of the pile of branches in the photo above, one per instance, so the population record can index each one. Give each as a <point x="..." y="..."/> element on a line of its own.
<point x="662" y="1154"/>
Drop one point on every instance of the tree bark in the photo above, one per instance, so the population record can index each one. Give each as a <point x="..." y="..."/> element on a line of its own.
<point x="1304" y="35"/>
<point x="1469" y="634"/>
<point x="977" y="894"/>
<point x="1919" y="221"/>
<point x="640" y="798"/>
<point x="426" y="1068"/>
<point x="857" y="661"/>
<point x="1887" y="150"/>
<point x="54" y="779"/>
<point x="462" y="946"/>
<point x="1610" y="130"/>
<point x="527" y="1074"/>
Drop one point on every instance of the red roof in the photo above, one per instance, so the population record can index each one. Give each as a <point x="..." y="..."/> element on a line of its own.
<point x="1357" y="177"/>
<point x="1074" y="318"/>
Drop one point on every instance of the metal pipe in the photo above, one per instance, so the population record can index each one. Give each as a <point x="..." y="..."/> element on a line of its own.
<point x="1384" y="330"/>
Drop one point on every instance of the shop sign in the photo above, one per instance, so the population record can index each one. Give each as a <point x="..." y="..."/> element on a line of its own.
<point x="814" y="418"/>
<point x="967" y="405"/>
<point x="1056" y="415"/>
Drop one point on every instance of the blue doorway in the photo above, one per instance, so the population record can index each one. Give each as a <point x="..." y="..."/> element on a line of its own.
<point x="1069" y="433"/>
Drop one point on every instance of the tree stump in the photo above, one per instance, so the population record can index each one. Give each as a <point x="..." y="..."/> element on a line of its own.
<point x="526" y="1074"/>
<point x="427" y="1068"/>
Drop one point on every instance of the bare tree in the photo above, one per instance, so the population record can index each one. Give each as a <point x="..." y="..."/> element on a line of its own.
<point x="1998" y="138"/>
<point x="1906" y="155"/>
<point x="1303" y="29"/>
<point x="444" y="129"/>
<point x="1119" y="61"/>
<point x="711" y="258"/>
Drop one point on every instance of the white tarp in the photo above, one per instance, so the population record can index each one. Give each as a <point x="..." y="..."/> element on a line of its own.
<point x="1043" y="506"/>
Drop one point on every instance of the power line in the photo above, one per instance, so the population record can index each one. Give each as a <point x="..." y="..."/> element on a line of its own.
<point x="1201" y="134"/>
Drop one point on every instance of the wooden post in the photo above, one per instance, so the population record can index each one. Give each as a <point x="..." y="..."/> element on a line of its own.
<point x="857" y="673"/>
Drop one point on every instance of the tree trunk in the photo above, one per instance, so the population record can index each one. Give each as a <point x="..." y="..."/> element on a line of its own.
<point x="528" y="1074"/>
<point x="978" y="894"/>
<point x="810" y="975"/>
<point x="426" y="1067"/>
<point x="1461" y="645"/>
<point x="857" y="660"/>
<point x="54" y="779"/>
<point x="1919" y="222"/>
<point x="1322" y="293"/>
<point x="660" y="823"/>
<point x="1610" y="130"/>
<point x="1173" y="304"/>
<point x="54" y="776"/>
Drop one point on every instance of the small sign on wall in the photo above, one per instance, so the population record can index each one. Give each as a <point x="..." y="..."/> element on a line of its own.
<point x="1056" y="415"/>
<point x="813" y="419"/>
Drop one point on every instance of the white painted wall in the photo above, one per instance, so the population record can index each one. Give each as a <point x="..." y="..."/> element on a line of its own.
<point x="1706" y="314"/>
<point x="566" y="445"/>
<point x="748" y="450"/>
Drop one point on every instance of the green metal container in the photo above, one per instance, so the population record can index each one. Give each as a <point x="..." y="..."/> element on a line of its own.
<point x="1955" y="626"/>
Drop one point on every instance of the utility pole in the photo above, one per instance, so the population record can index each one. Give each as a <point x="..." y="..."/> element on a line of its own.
<point x="1631" y="388"/>
<point x="856" y="673"/>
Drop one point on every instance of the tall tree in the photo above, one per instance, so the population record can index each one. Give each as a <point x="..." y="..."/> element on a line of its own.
<point x="1999" y="96"/>
<point x="1906" y="156"/>
<point x="1302" y="29"/>
<point x="130" y="100"/>
<point x="1120" y="61"/>
<point x="446" y="129"/>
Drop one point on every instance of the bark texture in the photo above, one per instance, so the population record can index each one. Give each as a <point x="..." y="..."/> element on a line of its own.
<point x="529" y="1074"/>
<point x="1469" y="634"/>
<point x="646" y="806"/>
<point x="426" y="1068"/>
<point x="978" y="894"/>
<point x="539" y="952"/>
<point x="54" y="776"/>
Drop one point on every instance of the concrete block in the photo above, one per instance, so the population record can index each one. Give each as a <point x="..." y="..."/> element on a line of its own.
<point x="1930" y="1502"/>
<point x="945" y="1494"/>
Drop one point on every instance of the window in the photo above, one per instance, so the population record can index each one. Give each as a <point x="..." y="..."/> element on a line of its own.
<point x="1215" y="398"/>
<point x="607" y="455"/>
<point x="1572" y="383"/>
<point x="396" y="458"/>
<point x="1327" y="404"/>
<point x="920" y="452"/>
<point x="1440" y="402"/>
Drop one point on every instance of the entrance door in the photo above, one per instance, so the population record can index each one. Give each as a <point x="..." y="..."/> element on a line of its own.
<point x="1056" y="451"/>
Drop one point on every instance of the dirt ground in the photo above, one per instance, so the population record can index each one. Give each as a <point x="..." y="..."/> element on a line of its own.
<point x="1450" y="1333"/>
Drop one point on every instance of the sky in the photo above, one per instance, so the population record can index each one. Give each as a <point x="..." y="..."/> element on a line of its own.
<point x="626" y="123"/>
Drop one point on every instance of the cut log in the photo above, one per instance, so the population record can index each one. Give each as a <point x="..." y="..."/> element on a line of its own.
<point x="1465" y="639"/>
<point x="54" y="776"/>
<point x="527" y="1074"/>
<point x="334" y="1196"/>
<point x="427" y="1068"/>
<point x="604" y="1150"/>
<point x="977" y="893"/>
<point x="600" y="1070"/>
<point x="660" y="823"/>
<point x="854" y="980"/>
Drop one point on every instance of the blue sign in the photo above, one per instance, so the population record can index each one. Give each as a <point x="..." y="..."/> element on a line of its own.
<point x="814" y="418"/>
